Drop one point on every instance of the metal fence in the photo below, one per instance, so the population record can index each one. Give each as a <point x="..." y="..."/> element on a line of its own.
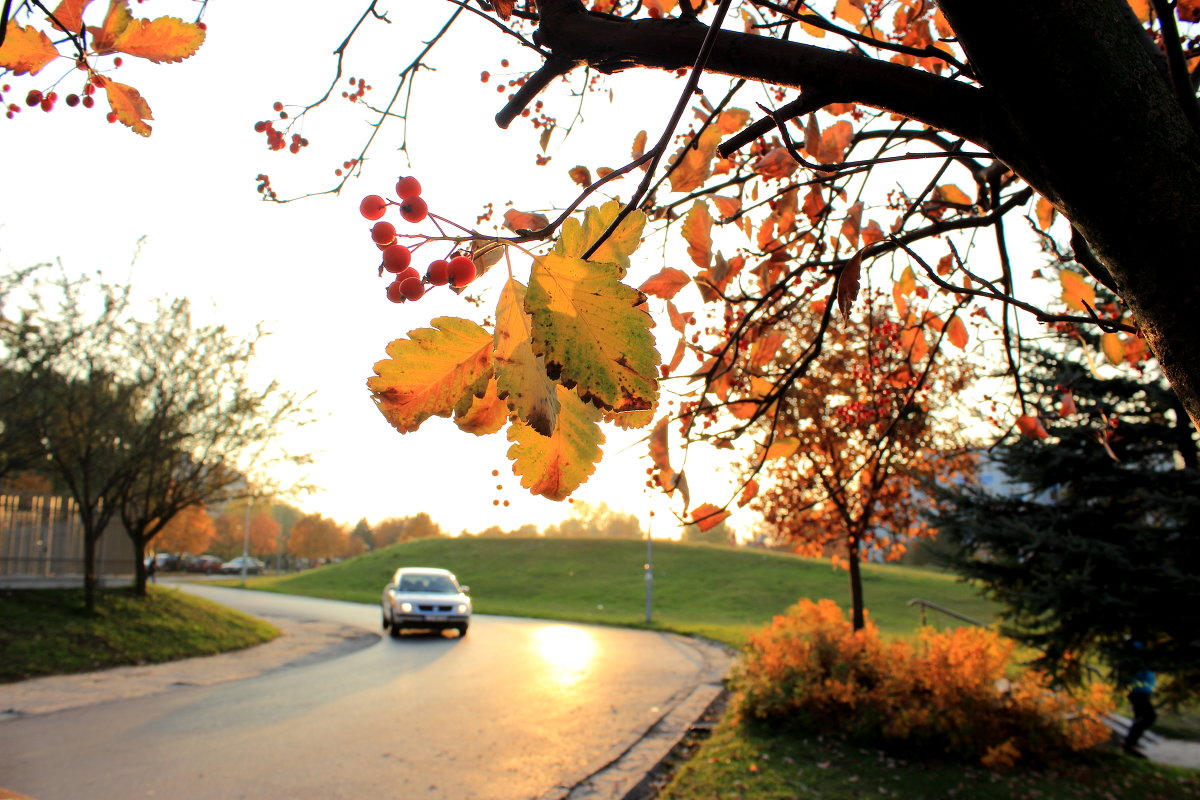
<point x="41" y="539"/>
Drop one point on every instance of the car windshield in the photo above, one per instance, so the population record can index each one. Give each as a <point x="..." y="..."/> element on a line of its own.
<point x="427" y="583"/>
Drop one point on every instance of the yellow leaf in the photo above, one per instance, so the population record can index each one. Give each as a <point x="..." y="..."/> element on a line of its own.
<point x="949" y="193"/>
<point x="432" y="372"/>
<point x="902" y="288"/>
<point x="1045" y="212"/>
<point x="782" y="447"/>
<point x="695" y="164"/>
<point x="485" y="414"/>
<point x="129" y="106"/>
<point x="697" y="232"/>
<point x="1076" y="290"/>
<point x="1113" y="347"/>
<point x="629" y="420"/>
<point x="163" y="40"/>
<point x="732" y="120"/>
<point x="848" y="11"/>
<point x="639" y="146"/>
<point x="666" y="283"/>
<point x="115" y="22"/>
<point x="554" y="466"/>
<point x="26" y="50"/>
<point x="575" y="237"/>
<point x="591" y="332"/>
<point x="956" y="332"/>
<point x="707" y="516"/>
<point x="520" y="375"/>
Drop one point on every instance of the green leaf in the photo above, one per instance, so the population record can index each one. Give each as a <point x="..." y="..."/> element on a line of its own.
<point x="576" y="238"/>
<point x="521" y="375"/>
<point x="432" y="372"/>
<point x="591" y="333"/>
<point x="554" y="466"/>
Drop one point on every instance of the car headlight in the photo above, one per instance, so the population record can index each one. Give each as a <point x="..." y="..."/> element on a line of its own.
<point x="405" y="607"/>
<point x="462" y="608"/>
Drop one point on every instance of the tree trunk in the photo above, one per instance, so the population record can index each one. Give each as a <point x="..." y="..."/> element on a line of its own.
<point x="90" y="541"/>
<point x="858" y="616"/>
<point x="139" y="567"/>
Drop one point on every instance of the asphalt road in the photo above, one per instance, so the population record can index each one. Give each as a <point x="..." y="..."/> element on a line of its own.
<point x="518" y="709"/>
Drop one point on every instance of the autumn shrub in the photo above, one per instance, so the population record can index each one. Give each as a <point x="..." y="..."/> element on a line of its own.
<point x="956" y="693"/>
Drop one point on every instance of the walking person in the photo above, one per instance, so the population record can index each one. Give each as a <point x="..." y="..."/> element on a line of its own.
<point x="1141" y="692"/>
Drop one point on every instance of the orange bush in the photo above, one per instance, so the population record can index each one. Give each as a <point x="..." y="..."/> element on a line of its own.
<point x="954" y="692"/>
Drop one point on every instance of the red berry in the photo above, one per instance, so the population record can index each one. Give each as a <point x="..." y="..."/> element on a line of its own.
<point x="72" y="100"/>
<point x="118" y="61"/>
<point x="438" y="273"/>
<point x="393" y="293"/>
<point x="383" y="233"/>
<point x="396" y="257"/>
<point x="278" y="106"/>
<point x="88" y="102"/>
<point x="462" y="271"/>
<point x="406" y="273"/>
<point x="414" y="209"/>
<point x="33" y="98"/>
<point x="412" y="288"/>
<point x="372" y="207"/>
<point x="408" y="187"/>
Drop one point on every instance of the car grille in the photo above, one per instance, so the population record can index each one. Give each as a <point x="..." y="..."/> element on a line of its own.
<point x="434" y="609"/>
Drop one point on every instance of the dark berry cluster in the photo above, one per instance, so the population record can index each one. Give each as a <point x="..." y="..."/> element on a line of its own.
<point x="408" y="284"/>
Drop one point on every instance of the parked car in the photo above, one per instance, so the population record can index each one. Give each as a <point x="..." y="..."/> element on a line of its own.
<point x="207" y="565"/>
<point x="234" y="565"/>
<point x="425" y="598"/>
<point x="167" y="562"/>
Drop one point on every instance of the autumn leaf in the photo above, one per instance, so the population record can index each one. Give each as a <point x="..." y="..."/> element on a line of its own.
<point x="732" y="120"/>
<point x="127" y="103"/>
<point x="485" y="253"/>
<point x="695" y="163"/>
<point x="115" y="22"/>
<point x="588" y="327"/>
<point x="666" y="283"/>
<point x="764" y="350"/>
<point x="835" y="140"/>
<point x="679" y="319"/>
<point x="712" y="282"/>
<point x="628" y="420"/>
<point x="956" y="332"/>
<point x="814" y="205"/>
<point x="432" y="372"/>
<point x="639" y="146"/>
<point x="697" y="232"/>
<point x="556" y="465"/>
<point x="1077" y="293"/>
<point x="517" y="221"/>
<point x="727" y="207"/>
<point x="576" y="237"/>
<point x="1066" y="406"/>
<point x="68" y="17"/>
<point x="852" y="223"/>
<point x="1031" y="427"/>
<point x="1141" y="8"/>
<point x="482" y="415"/>
<point x="1045" y="212"/>
<point x="707" y="516"/>
<point x="163" y="40"/>
<point x="949" y="193"/>
<point x="782" y="447"/>
<point x="520" y="375"/>
<point x="903" y="288"/>
<point x="748" y="493"/>
<point x="26" y="50"/>
<point x="660" y="455"/>
<point x="503" y="8"/>
<point x="849" y="11"/>
<point x="1113" y="347"/>
<point x="581" y="175"/>
<point x="776" y="163"/>
<point x="848" y="283"/>
<point x="872" y="233"/>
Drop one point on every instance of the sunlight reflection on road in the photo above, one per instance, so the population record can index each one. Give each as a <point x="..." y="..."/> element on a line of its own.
<point x="567" y="651"/>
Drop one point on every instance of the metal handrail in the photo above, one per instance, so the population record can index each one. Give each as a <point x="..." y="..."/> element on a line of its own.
<point x="924" y="604"/>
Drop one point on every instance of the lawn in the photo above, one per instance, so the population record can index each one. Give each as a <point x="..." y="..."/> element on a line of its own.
<point x="47" y="632"/>
<point x="723" y="593"/>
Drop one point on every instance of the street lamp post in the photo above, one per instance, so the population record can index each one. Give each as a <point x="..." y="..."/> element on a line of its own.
<point x="246" y="543"/>
<point x="649" y="568"/>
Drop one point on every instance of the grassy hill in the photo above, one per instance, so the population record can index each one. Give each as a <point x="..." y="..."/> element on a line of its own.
<point x="719" y="592"/>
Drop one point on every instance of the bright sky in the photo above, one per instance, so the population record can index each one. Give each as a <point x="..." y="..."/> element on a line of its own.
<point x="84" y="192"/>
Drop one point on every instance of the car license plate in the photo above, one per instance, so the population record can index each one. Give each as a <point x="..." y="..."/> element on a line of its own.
<point x="436" y="618"/>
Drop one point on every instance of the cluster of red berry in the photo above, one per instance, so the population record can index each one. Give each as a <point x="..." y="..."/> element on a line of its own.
<point x="458" y="271"/>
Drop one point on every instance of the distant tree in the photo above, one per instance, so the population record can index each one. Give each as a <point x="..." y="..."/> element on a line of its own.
<point x="721" y="533"/>
<point x="230" y="537"/>
<point x="400" y="529"/>
<point x="1095" y="536"/>
<point x="189" y="531"/>
<point x="599" y="520"/>
<point x="314" y="537"/>
<point x="362" y="532"/>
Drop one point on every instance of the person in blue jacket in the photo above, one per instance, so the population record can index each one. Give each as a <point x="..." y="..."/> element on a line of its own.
<point x="1141" y="691"/>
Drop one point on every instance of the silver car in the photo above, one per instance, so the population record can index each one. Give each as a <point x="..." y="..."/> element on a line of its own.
<point x="425" y="598"/>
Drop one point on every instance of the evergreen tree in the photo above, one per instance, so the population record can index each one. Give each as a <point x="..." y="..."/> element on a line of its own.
<point x="1094" y="537"/>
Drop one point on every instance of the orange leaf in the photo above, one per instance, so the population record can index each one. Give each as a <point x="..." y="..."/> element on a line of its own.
<point x="814" y="205"/>
<point x="1076" y="291"/>
<point x="957" y="332"/>
<point x="115" y="22"/>
<point x="708" y="516"/>
<point x="26" y="50"/>
<point x="519" y="220"/>
<point x="1135" y="350"/>
<point x="733" y="120"/>
<point x="812" y="137"/>
<point x="1141" y="8"/>
<point x="902" y="288"/>
<point x="697" y="232"/>
<point x="849" y="11"/>
<point x="70" y="14"/>
<point x="676" y="359"/>
<point x="777" y="163"/>
<point x="666" y="283"/>
<point x="765" y="348"/>
<point x="1067" y="406"/>
<point x="1045" y="213"/>
<point x="581" y="175"/>
<point x="1031" y="427"/>
<point x="659" y="452"/>
<point x="639" y="146"/>
<point x="748" y="493"/>
<point x="163" y="40"/>
<point x="679" y="319"/>
<point x="835" y="140"/>
<point x="949" y="193"/>
<point x="872" y="233"/>
<point x="695" y="163"/>
<point x="503" y="8"/>
<point x="485" y="414"/>
<point x="712" y="282"/>
<point x="848" y="283"/>
<point x="1189" y="10"/>
<point x="1113" y="347"/>
<point x="127" y="103"/>
<point x="782" y="447"/>
<point x="852" y="223"/>
<point x="727" y="206"/>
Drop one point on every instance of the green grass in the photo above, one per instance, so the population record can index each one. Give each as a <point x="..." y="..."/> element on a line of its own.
<point x="754" y="763"/>
<point x="723" y="593"/>
<point x="47" y="631"/>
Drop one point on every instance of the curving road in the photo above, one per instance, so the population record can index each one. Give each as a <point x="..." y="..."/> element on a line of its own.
<point x="518" y="709"/>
